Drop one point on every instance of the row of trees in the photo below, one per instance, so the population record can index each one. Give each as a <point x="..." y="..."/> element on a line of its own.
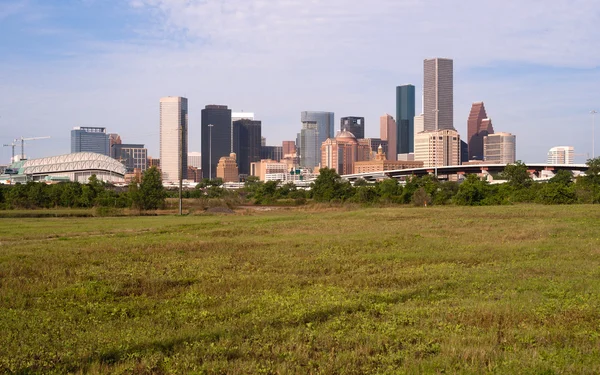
<point x="145" y="194"/>
<point x="149" y="193"/>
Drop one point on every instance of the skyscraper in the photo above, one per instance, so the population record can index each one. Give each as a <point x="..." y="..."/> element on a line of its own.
<point x="325" y="128"/>
<point x="478" y="126"/>
<point x="438" y="148"/>
<point x="132" y="156"/>
<point x="500" y="148"/>
<point x="355" y="125"/>
<point x="387" y="132"/>
<point x="308" y="145"/>
<point x="405" y="118"/>
<point x="246" y="143"/>
<point x="90" y="139"/>
<point x="216" y="140"/>
<point x="438" y="94"/>
<point x="173" y="137"/>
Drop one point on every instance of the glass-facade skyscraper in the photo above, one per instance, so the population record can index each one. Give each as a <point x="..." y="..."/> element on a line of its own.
<point x="308" y="145"/>
<point x="324" y="129"/>
<point x="216" y="141"/>
<point x="246" y="143"/>
<point x="173" y="137"/>
<point x="90" y="139"/>
<point x="355" y="125"/>
<point x="405" y="119"/>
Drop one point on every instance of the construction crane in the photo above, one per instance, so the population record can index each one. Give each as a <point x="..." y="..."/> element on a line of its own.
<point x="22" y="139"/>
<point x="13" y="144"/>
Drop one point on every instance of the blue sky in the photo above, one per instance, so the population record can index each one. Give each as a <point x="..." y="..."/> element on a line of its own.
<point x="69" y="63"/>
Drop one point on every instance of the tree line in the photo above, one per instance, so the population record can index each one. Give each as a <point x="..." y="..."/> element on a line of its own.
<point x="149" y="194"/>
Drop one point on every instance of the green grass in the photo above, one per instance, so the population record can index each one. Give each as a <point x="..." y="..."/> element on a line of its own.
<point x="510" y="289"/>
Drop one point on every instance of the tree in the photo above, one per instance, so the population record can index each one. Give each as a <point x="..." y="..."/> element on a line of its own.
<point x="152" y="193"/>
<point x="517" y="175"/>
<point x="329" y="186"/>
<point x="562" y="177"/>
<point x="389" y="190"/>
<point x="421" y="197"/>
<point x="471" y="192"/>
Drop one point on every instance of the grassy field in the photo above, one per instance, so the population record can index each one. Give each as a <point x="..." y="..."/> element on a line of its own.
<point x="510" y="289"/>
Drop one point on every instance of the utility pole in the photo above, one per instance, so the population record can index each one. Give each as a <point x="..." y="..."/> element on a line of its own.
<point x="435" y="144"/>
<point x="210" y="126"/>
<point x="593" y="113"/>
<point x="180" y="168"/>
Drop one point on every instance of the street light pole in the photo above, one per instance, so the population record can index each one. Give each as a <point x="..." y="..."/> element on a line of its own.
<point x="437" y="112"/>
<point x="593" y="113"/>
<point x="180" y="169"/>
<point x="210" y="126"/>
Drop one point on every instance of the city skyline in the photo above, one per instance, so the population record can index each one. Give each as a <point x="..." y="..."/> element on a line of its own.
<point x="95" y="55"/>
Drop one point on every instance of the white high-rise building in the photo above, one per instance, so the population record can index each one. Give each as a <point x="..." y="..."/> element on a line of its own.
<point x="500" y="148"/>
<point x="173" y="137"/>
<point x="195" y="159"/>
<point x="419" y="124"/>
<point x="438" y="94"/>
<point x="561" y="155"/>
<point x="437" y="148"/>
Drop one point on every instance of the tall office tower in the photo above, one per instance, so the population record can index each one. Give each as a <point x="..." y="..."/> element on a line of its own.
<point x="195" y="159"/>
<point x="388" y="132"/>
<point x="239" y="116"/>
<point x="561" y="155"/>
<point x="90" y="139"/>
<point x="263" y="141"/>
<point x="478" y="126"/>
<point x="419" y="123"/>
<point x="173" y="137"/>
<point x="308" y="145"/>
<point x="464" y="151"/>
<point x="405" y="119"/>
<point x="132" y="156"/>
<point x="325" y="128"/>
<point x="216" y="140"/>
<point x="271" y="153"/>
<point x="438" y="94"/>
<point x="374" y="145"/>
<point x="246" y="143"/>
<point x="113" y="139"/>
<point x="500" y="148"/>
<point x="355" y="125"/>
<point x="289" y="148"/>
<point x="439" y="148"/>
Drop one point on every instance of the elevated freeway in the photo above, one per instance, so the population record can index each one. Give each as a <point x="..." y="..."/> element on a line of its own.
<point x="534" y="168"/>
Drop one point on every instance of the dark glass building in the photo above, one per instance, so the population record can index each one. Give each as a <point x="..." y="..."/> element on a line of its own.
<point x="86" y="139"/>
<point x="354" y="125"/>
<point x="271" y="152"/>
<point x="246" y="143"/>
<point x="215" y="140"/>
<point x="405" y="119"/>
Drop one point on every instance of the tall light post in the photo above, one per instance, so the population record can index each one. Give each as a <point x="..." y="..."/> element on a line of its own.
<point x="210" y="126"/>
<point x="180" y="169"/>
<point x="593" y="113"/>
<point x="436" y="112"/>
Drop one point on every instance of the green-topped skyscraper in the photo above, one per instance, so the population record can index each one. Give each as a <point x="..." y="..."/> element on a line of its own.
<point x="405" y="119"/>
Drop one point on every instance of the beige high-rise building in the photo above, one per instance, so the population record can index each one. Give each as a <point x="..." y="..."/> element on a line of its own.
<point x="500" y="148"/>
<point x="173" y="137"/>
<point x="438" y="94"/>
<point x="438" y="148"/>
<point x="388" y="132"/>
<point x="561" y="155"/>
<point x="227" y="169"/>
